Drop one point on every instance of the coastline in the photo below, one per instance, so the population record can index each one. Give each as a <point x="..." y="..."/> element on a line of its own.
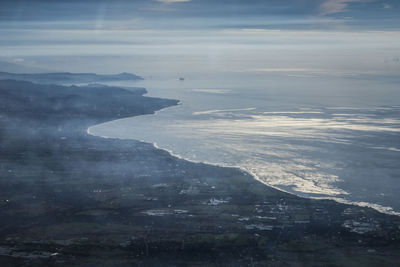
<point x="128" y="203"/>
<point x="377" y="207"/>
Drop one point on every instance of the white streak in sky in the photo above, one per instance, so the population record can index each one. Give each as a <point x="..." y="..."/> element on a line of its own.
<point x="335" y="6"/>
<point x="173" y="1"/>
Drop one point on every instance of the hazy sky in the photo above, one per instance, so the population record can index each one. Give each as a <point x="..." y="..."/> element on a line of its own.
<point x="262" y="35"/>
<point x="189" y="14"/>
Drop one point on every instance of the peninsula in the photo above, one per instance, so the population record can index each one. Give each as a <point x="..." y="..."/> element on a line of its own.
<point x="71" y="199"/>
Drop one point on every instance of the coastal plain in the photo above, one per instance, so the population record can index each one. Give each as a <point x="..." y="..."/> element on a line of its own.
<point x="71" y="199"/>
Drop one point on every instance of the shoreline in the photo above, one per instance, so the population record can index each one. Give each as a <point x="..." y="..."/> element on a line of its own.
<point x="131" y="202"/>
<point x="382" y="209"/>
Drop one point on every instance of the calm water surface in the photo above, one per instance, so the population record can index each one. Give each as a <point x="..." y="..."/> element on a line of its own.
<point x="312" y="135"/>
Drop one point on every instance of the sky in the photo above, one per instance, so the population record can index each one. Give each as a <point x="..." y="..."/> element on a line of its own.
<point x="253" y="35"/>
<point x="194" y="14"/>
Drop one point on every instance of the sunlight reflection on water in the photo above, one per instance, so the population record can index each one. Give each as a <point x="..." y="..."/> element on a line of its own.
<point x="349" y="153"/>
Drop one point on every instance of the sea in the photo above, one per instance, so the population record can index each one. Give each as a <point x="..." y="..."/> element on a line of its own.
<point x="315" y="135"/>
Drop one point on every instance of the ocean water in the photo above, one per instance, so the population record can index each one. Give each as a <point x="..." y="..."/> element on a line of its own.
<point x="319" y="136"/>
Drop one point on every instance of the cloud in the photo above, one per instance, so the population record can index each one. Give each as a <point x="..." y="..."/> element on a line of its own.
<point x="335" y="6"/>
<point x="387" y="6"/>
<point x="18" y="60"/>
<point x="173" y="1"/>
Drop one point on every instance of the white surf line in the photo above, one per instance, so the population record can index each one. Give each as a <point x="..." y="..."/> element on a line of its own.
<point x="377" y="207"/>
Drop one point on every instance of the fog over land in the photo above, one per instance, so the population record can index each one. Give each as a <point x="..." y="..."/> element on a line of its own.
<point x="199" y="133"/>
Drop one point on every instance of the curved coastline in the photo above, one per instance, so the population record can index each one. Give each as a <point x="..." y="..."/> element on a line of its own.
<point x="377" y="207"/>
<point x="113" y="196"/>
